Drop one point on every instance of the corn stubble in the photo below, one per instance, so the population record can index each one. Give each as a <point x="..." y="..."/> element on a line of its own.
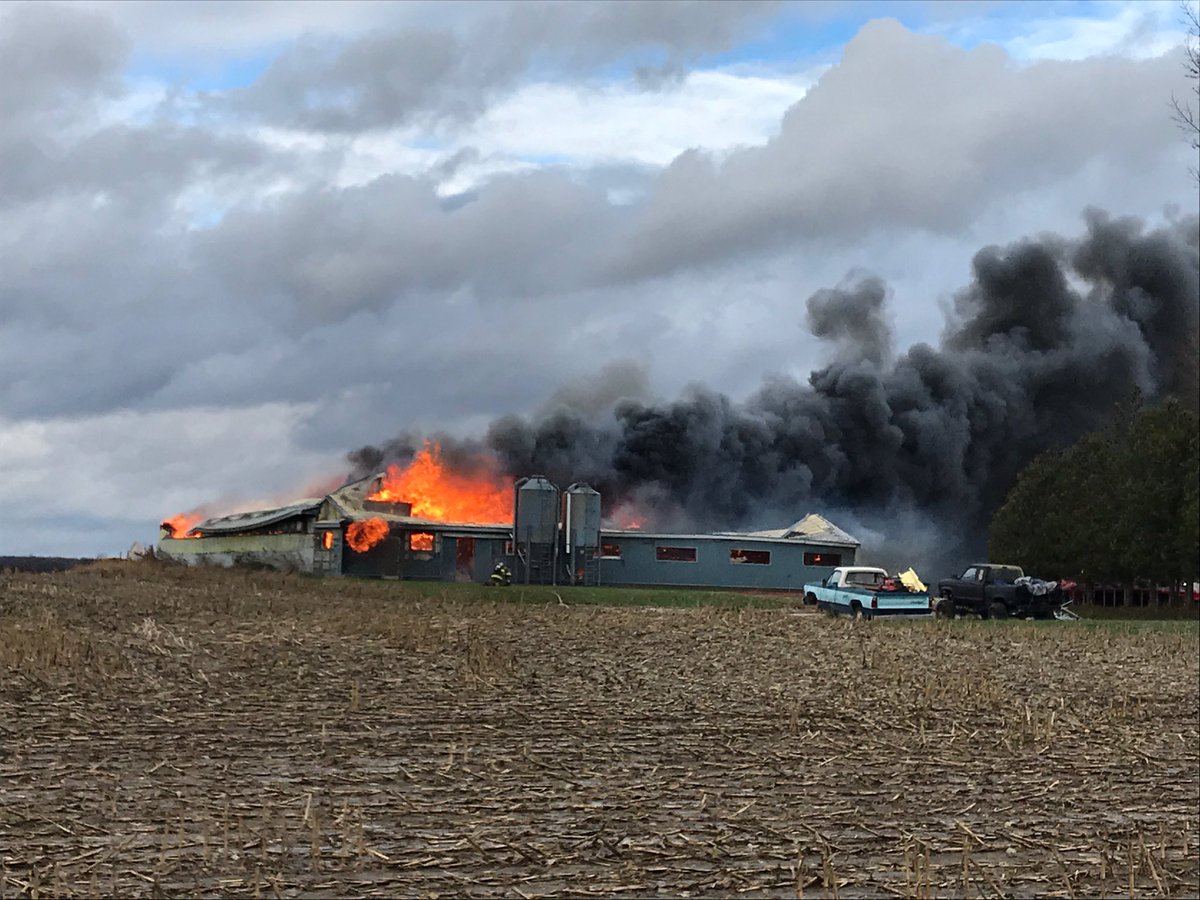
<point x="170" y="732"/>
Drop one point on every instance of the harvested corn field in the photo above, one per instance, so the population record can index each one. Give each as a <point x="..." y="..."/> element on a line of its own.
<point x="170" y="732"/>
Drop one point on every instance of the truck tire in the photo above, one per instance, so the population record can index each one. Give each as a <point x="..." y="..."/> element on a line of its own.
<point x="810" y="599"/>
<point x="945" y="608"/>
<point x="856" y="610"/>
<point x="997" y="610"/>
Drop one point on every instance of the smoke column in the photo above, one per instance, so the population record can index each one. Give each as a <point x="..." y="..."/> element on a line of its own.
<point x="1050" y="337"/>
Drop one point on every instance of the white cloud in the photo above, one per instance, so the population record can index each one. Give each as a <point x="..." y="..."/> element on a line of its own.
<point x="137" y="468"/>
<point x="578" y="125"/>
<point x="587" y="124"/>
<point x="1138" y="29"/>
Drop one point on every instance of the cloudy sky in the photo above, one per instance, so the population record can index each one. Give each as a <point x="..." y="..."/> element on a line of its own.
<point x="240" y="239"/>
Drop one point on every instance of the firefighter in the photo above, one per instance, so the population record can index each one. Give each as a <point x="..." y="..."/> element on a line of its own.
<point x="501" y="575"/>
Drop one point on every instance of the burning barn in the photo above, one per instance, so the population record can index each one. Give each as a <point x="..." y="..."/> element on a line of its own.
<point x="425" y="522"/>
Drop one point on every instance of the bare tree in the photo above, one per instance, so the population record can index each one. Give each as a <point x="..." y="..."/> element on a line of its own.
<point x="1187" y="115"/>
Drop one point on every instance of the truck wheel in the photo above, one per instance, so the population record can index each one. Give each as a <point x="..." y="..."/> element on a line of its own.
<point x="856" y="610"/>
<point x="997" y="610"/>
<point x="810" y="600"/>
<point x="944" y="609"/>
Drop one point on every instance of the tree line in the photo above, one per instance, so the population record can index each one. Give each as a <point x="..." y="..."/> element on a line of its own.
<point x="1121" y="506"/>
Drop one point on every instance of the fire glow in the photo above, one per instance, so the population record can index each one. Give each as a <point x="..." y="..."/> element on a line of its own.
<point x="437" y="492"/>
<point x="627" y="518"/>
<point x="181" y="524"/>
<point x="362" y="536"/>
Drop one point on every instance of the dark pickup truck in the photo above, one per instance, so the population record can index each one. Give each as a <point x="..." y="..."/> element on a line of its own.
<point x="997" y="592"/>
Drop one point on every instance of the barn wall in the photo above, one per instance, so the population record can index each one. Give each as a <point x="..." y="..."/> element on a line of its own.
<point x="280" y="551"/>
<point x="639" y="564"/>
<point x="381" y="561"/>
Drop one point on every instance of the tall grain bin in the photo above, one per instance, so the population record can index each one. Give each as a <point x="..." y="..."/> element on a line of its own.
<point x="581" y="533"/>
<point x="535" y="530"/>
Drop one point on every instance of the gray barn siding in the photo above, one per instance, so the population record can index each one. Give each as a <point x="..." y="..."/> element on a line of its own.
<point x="638" y="564"/>
<point x="381" y="561"/>
<point x="392" y="558"/>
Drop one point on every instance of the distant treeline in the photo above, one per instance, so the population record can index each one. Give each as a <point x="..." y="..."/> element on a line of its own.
<point x="1120" y="507"/>
<point x="39" y="563"/>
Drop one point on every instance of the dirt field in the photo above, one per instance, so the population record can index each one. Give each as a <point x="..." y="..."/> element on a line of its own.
<point x="167" y="732"/>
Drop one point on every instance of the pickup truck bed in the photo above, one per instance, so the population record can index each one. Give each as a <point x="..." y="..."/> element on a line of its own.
<point x="858" y="591"/>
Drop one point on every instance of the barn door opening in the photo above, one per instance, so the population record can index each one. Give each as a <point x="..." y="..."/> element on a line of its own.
<point x="464" y="558"/>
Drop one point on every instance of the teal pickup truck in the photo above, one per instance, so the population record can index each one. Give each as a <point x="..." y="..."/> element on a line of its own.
<point x="862" y="591"/>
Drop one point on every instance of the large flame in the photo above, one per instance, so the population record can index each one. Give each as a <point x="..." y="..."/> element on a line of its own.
<point x="362" y="536"/>
<point x="439" y="493"/>
<point x="179" y="525"/>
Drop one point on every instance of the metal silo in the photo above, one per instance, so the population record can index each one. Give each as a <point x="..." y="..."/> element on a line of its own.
<point x="581" y="533"/>
<point x="535" y="529"/>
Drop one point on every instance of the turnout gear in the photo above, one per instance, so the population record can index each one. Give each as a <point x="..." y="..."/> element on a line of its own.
<point x="501" y="575"/>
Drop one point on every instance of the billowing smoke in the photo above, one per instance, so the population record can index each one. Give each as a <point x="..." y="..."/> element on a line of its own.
<point x="853" y="317"/>
<point x="1048" y="341"/>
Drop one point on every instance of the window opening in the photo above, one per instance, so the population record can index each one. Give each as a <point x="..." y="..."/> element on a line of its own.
<point x="752" y="557"/>
<point x="675" y="554"/>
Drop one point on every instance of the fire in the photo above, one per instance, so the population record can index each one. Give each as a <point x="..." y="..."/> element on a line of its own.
<point x="626" y="517"/>
<point x="420" y="540"/>
<point x="436" y="492"/>
<point x="179" y="525"/>
<point x="362" y="536"/>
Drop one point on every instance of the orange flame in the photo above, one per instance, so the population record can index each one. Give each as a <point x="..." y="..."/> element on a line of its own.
<point x="362" y="536"/>
<point x="436" y="492"/>
<point x="179" y="525"/>
<point x="420" y="540"/>
<point x="627" y="517"/>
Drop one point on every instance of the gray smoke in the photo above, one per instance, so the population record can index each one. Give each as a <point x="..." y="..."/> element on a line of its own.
<point x="1048" y="341"/>
<point x="852" y="315"/>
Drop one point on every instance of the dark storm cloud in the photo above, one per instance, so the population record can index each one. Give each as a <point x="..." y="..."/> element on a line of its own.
<point x="1029" y="362"/>
<point x="337" y="251"/>
<point x="389" y="78"/>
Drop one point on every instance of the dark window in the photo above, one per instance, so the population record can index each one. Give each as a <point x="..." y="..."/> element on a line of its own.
<point x="968" y="575"/>
<point x="675" y="554"/>
<point x="753" y="557"/>
<point x="823" y="559"/>
<point x="610" y="551"/>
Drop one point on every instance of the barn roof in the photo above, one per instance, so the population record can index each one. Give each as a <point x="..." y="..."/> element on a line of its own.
<point x="812" y="529"/>
<point x="246" y="521"/>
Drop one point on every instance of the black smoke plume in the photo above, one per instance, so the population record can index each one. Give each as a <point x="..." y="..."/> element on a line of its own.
<point x="1048" y="341"/>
